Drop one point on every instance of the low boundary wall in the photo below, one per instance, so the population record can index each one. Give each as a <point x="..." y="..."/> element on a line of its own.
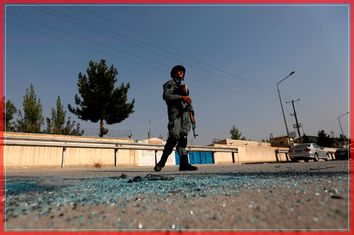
<point x="36" y="150"/>
<point x="251" y="152"/>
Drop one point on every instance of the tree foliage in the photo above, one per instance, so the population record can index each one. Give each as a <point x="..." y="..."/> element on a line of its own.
<point x="99" y="99"/>
<point x="236" y="134"/>
<point x="10" y="110"/>
<point x="57" y="124"/>
<point x="31" y="119"/>
<point x="305" y="138"/>
<point x="71" y="129"/>
<point x="323" y="138"/>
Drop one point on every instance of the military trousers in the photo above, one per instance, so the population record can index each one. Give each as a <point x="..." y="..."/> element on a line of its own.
<point x="178" y="129"/>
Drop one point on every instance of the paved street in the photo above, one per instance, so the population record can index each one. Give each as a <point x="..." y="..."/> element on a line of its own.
<point x="310" y="196"/>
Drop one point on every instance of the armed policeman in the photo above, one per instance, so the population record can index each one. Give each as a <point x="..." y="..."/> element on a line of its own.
<point x="179" y="123"/>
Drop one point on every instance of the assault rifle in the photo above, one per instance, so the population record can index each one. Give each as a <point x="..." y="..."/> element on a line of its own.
<point x="184" y="91"/>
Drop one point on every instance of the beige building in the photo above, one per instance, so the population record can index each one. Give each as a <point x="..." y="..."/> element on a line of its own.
<point x="282" y="141"/>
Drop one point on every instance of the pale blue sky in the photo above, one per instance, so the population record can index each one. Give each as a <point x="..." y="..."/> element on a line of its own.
<point x="234" y="56"/>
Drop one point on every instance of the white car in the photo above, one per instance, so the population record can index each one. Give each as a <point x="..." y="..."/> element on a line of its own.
<point x="307" y="151"/>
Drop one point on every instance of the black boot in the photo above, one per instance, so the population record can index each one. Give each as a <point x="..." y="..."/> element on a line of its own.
<point x="185" y="166"/>
<point x="159" y="166"/>
<point x="170" y="144"/>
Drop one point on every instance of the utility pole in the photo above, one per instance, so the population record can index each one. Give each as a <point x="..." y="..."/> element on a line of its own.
<point x="294" y="114"/>
<point x="149" y="130"/>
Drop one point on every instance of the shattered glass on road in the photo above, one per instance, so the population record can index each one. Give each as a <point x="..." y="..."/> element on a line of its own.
<point x="283" y="196"/>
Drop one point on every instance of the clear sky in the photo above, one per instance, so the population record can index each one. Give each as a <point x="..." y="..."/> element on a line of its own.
<point x="234" y="56"/>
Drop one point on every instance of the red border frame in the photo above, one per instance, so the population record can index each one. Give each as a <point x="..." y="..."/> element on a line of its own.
<point x="2" y="73"/>
<point x="2" y="106"/>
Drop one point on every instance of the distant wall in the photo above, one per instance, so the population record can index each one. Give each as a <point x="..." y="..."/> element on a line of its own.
<point x="23" y="156"/>
<point x="249" y="152"/>
<point x="147" y="157"/>
<point x="26" y="156"/>
<point x="51" y="156"/>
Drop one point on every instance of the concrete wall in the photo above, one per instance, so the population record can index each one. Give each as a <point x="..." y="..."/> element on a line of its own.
<point x="249" y="152"/>
<point x="25" y="156"/>
<point x="31" y="156"/>
<point x="147" y="157"/>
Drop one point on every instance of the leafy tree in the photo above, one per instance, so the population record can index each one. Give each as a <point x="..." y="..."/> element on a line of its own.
<point x="31" y="120"/>
<point x="10" y="110"/>
<point x="305" y="139"/>
<point x="100" y="100"/>
<point x="323" y="138"/>
<point x="236" y="134"/>
<point x="56" y="124"/>
<point x="72" y="129"/>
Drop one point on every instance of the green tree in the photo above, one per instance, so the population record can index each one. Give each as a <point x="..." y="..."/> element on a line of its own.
<point x="72" y="129"/>
<point x="323" y="138"/>
<point x="100" y="100"/>
<point x="31" y="120"/>
<point x="236" y="134"/>
<point x="10" y="110"/>
<point x="57" y="124"/>
<point x="305" y="138"/>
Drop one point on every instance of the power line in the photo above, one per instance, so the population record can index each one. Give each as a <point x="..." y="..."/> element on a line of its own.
<point x="217" y="83"/>
<point x="313" y="112"/>
<point x="183" y="54"/>
<point x="87" y="39"/>
<point x="80" y="45"/>
<point x="138" y="42"/>
<point x="105" y="31"/>
<point x="225" y="87"/>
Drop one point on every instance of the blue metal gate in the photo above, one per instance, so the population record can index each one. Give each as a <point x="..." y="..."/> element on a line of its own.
<point x="198" y="158"/>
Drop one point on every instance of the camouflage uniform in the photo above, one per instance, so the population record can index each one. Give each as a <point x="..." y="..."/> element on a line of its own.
<point x="179" y="124"/>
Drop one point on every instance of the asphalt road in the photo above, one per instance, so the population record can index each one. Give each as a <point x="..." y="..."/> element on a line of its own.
<point x="300" y="196"/>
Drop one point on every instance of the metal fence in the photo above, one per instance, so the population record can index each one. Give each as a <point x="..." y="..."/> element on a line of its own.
<point x="111" y="133"/>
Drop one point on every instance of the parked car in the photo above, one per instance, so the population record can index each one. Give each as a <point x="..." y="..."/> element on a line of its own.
<point x="308" y="151"/>
<point x="342" y="154"/>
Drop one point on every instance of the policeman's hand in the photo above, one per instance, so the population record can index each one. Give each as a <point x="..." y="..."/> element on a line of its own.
<point x="186" y="99"/>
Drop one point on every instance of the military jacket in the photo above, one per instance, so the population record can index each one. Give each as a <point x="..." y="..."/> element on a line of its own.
<point x="173" y="98"/>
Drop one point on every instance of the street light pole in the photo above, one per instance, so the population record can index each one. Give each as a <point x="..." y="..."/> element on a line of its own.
<point x="339" y="122"/>
<point x="281" y="105"/>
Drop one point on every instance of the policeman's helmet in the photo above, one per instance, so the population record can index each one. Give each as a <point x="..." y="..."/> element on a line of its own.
<point x="177" y="68"/>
